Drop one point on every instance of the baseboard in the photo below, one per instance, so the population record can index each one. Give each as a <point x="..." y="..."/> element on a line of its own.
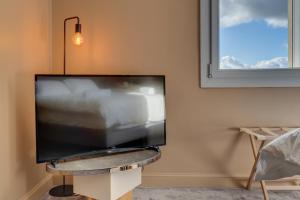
<point x="192" y="180"/>
<point x="40" y="189"/>
<point x="181" y="180"/>
<point x="153" y="180"/>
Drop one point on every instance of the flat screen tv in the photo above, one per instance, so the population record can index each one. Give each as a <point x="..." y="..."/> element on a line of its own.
<point x="82" y="114"/>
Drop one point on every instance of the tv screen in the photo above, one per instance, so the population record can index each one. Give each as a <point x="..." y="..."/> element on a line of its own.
<point x="80" y="114"/>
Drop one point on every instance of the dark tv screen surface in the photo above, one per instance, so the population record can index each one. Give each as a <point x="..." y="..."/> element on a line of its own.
<point x="79" y="114"/>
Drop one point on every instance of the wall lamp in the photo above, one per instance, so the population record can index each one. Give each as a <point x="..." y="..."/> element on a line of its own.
<point x="77" y="38"/>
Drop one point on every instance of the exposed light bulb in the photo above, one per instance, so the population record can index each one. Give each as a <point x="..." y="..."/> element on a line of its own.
<point x="78" y="39"/>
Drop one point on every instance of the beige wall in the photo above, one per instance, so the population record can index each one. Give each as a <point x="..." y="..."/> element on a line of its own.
<point x="24" y="51"/>
<point x="162" y="37"/>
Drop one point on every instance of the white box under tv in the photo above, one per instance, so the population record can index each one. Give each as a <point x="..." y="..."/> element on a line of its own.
<point x="108" y="186"/>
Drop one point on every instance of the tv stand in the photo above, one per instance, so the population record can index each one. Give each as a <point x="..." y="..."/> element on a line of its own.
<point x="61" y="190"/>
<point x="154" y="148"/>
<point x="53" y="163"/>
<point x="109" y="177"/>
<point x="95" y="154"/>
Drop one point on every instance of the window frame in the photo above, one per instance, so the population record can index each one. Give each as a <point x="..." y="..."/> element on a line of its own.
<point x="213" y="77"/>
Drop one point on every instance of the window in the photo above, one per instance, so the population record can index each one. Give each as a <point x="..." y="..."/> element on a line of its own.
<point x="250" y="43"/>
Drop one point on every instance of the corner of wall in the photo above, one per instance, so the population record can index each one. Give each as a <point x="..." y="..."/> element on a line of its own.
<point x="39" y="190"/>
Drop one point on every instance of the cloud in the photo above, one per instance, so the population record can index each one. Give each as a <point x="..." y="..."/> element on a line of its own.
<point x="275" y="63"/>
<point x="230" y="62"/>
<point x="236" y="12"/>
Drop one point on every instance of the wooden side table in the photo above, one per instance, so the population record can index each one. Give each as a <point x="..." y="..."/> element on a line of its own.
<point x="107" y="177"/>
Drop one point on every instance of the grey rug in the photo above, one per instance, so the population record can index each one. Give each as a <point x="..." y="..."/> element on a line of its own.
<point x="199" y="194"/>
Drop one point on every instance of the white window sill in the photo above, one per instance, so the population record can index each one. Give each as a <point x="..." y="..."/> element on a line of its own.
<point x="241" y="79"/>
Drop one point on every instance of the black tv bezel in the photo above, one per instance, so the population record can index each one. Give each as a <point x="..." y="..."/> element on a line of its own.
<point x="108" y="150"/>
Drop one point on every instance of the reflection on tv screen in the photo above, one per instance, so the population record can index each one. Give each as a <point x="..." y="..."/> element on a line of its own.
<point x="82" y="114"/>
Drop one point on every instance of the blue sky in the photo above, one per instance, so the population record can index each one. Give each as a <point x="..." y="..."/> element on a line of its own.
<point x="253" y="34"/>
<point x="261" y="40"/>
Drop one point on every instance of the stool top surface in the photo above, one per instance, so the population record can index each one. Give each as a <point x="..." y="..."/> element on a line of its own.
<point x="105" y="164"/>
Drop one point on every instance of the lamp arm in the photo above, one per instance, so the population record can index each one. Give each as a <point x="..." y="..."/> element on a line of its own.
<point x="70" y="18"/>
<point x="65" y="25"/>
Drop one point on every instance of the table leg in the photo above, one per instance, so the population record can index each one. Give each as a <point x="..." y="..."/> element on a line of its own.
<point x="127" y="196"/>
